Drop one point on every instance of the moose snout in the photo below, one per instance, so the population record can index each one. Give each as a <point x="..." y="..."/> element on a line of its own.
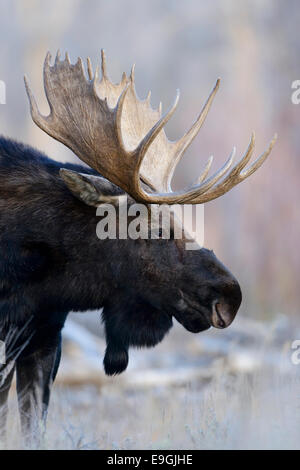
<point x="222" y="314"/>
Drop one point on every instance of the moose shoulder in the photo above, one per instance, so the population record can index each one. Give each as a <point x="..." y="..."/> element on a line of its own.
<point x="52" y="261"/>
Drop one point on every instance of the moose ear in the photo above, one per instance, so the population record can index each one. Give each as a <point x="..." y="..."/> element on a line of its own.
<point x="88" y="188"/>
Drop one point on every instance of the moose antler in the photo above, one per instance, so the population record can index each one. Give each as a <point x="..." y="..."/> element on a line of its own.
<point x="122" y="137"/>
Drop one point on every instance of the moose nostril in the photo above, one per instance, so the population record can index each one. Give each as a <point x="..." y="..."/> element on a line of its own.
<point x="221" y="322"/>
<point x="221" y="315"/>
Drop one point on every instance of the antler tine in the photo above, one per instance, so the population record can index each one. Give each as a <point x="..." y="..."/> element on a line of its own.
<point x="57" y="58"/>
<point x="205" y="171"/>
<point x="118" y="116"/>
<point x="245" y="158"/>
<point x="259" y="161"/>
<point x="95" y="78"/>
<point x="103" y="65"/>
<point x="38" y="118"/>
<point x="89" y="68"/>
<point x="67" y="58"/>
<point x="79" y="65"/>
<point x="132" y="73"/>
<point x="152" y="134"/>
<point x="187" y="139"/>
<point x="46" y="73"/>
<point x="34" y="110"/>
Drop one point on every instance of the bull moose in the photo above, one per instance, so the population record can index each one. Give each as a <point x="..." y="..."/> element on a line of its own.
<point x="51" y="260"/>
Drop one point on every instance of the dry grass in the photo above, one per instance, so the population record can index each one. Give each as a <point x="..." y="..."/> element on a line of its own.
<point x="231" y="389"/>
<point x="259" y="411"/>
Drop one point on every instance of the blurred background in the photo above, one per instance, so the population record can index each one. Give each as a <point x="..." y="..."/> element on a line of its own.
<point x="254" y="47"/>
